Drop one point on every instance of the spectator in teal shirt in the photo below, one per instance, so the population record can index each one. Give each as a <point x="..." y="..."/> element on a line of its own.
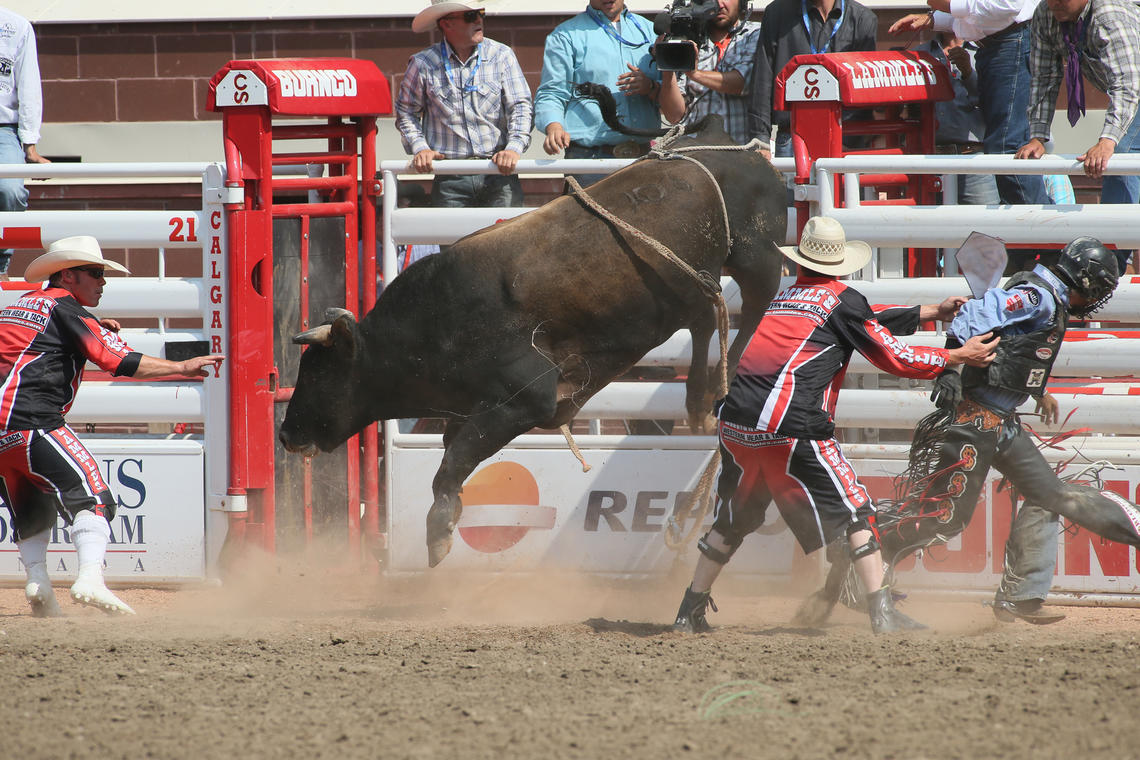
<point x="607" y="45"/>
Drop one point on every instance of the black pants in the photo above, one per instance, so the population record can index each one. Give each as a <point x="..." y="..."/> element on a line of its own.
<point x="976" y="440"/>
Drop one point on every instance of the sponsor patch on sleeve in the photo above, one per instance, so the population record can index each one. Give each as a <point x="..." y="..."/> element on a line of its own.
<point x="1015" y="302"/>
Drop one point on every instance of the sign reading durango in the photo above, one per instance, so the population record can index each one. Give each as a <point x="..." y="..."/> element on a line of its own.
<point x="302" y="87"/>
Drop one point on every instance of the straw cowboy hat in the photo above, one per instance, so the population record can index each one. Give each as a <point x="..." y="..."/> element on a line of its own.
<point x="425" y="19"/>
<point x="824" y="248"/>
<point x="66" y="253"/>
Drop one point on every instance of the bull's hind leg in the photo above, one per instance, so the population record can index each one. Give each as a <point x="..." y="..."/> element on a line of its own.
<point x="757" y="272"/>
<point x="698" y="398"/>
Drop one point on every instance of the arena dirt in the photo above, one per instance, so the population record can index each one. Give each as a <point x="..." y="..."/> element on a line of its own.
<point x="333" y="664"/>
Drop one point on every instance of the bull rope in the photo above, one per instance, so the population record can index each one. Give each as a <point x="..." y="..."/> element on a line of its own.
<point x="708" y="284"/>
<point x="675" y="537"/>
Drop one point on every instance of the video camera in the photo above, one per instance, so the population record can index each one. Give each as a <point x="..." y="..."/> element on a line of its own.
<point x="686" y="28"/>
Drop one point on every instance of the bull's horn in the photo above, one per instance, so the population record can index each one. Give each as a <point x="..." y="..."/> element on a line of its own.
<point x="332" y="313"/>
<point x="321" y="336"/>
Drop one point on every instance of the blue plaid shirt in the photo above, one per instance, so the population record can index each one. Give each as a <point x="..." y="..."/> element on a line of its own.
<point x="739" y="56"/>
<point x="469" y="109"/>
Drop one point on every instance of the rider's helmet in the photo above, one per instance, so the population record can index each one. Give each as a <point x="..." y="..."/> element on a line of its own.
<point x="1089" y="268"/>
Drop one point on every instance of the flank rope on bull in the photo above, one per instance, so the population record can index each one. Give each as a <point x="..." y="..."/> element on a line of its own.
<point x="675" y="536"/>
<point x="663" y="149"/>
<point x="708" y="283"/>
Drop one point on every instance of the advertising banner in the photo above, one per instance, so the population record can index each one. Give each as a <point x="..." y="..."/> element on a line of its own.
<point x="526" y="510"/>
<point x="158" y="534"/>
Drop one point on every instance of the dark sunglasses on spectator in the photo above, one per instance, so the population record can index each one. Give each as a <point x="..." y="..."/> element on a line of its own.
<point x="96" y="272"/>
<point x="472" y="16"/>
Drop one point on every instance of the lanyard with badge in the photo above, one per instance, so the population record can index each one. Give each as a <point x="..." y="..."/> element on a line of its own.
<point x="470" y="86"/>
<point x="834" y="29"/>
<point x="606" y="25"/>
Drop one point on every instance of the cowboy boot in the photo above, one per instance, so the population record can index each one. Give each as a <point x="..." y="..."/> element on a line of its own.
<point x="884" y="617"/>
<point x="691" y="615"/>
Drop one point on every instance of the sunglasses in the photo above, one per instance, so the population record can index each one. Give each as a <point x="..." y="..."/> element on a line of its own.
<point x="96" y="272"/>
<point x="469" y="16"/>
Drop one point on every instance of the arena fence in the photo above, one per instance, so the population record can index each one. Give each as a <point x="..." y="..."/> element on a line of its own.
<point x="161" y="532"/>
<point x="530" y="506"/>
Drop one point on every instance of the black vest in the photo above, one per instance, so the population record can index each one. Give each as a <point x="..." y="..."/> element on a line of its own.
<point x="1023" y="363"/>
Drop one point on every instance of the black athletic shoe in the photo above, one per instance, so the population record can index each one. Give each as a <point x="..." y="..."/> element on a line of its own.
<point x="1029" y="610"/>
<point x="884" y="617"/>
<point x="691" y="615"/>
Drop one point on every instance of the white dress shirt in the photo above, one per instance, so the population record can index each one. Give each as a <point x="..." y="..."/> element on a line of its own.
<point x="974" y="19"/>
<point x="21" y="100"/>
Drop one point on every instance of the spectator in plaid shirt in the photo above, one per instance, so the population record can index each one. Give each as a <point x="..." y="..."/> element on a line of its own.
<point x="465" y="97"/>
<point x="1105" y="40"/>
<point x="721" y="81"/>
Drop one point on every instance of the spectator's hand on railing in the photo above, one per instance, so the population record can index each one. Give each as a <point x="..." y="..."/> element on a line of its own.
<point x="32" y="156"/>
<point x="421" y="162"/>
<point x="506" y="160"/>
<point x="1032" y="149"/>
<point x="557" y="139"/>
<point x="1096" y="157"/>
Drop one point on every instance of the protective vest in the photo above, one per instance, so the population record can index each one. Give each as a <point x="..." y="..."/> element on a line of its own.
<point x="1023" y="363"/>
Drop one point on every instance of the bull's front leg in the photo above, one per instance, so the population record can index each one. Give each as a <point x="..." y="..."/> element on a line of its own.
<point x="468" y="442"/>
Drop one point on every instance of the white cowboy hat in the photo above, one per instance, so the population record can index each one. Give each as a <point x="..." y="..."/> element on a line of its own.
<point x="425" y="19"/>
<point x="824" y="248"/>
<point x="66" y="253"/>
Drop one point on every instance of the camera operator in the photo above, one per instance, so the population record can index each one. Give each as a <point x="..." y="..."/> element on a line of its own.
<point x="720" y="81"/>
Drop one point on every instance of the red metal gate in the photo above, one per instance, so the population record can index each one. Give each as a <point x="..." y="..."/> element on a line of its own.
<point x="343" y="97"/>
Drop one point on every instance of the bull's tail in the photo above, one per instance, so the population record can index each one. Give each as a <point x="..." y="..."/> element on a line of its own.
<point x="608" y="106"/>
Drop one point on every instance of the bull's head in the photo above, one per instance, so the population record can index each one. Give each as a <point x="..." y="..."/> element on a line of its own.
<point x="326" y="408"/>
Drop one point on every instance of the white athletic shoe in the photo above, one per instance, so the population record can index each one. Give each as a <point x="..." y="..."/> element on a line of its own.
<point x="93" y="593"/>
<point x="42" y="598"/>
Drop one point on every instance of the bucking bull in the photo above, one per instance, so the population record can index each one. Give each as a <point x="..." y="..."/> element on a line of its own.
<point x="517" y="325"/>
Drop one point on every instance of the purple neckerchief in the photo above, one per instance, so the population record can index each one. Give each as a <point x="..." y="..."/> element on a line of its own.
<point x="1073" y="33"/>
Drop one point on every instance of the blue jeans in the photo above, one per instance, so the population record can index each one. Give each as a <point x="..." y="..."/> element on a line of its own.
<point x="1124" y="189"/>
<point x="476" y="190"/>
<point x="13" y="194"/>
<point x="1030" y="555"/>
<point x="1003" y="94"/>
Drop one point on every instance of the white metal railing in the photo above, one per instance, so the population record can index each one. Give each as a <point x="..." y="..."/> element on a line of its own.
<point x="180" y="233"/>
<point x="947" y="226"/>
<point x="879" y="225"/>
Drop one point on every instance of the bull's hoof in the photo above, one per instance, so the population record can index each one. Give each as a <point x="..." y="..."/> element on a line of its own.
<point x="438" y="549"/>
<point x="814" y="611"/>
<point x="702" y="424"/>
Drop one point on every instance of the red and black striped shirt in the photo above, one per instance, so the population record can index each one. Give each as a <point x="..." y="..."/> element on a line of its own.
<point x="789" y="377"/>
<point x="45" y="339"/>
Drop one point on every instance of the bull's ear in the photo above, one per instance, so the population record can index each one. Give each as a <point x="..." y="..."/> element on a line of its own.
<point x="319" y="336"/>
<point x="344" y="333"/>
